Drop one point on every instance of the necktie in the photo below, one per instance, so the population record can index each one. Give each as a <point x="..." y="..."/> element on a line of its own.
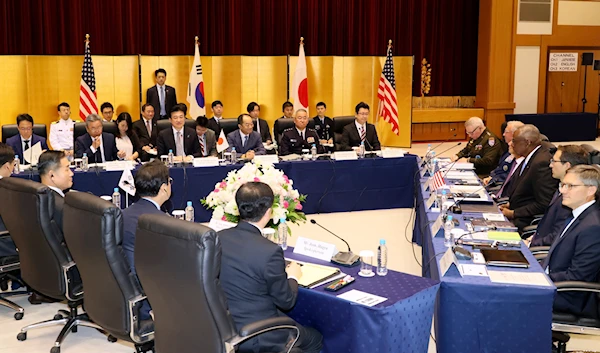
<point x="510" y="174"/>
<point x="26" y="145"/>
<point x="363" y="134"/>
<point x="179" y="147"/>
<point x="163" y="111"/>
<point x="148" y="127"/>
<point x="245" y="141"/>
<point x="201" y="138"/>
<point x="302" y="136"/>
<point x="258" y="125"/>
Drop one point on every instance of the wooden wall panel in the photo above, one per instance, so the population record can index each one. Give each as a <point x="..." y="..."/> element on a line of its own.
<point x="14" y="92"/>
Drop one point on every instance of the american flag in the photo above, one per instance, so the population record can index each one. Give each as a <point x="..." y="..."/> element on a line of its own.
<point x="388" y="105"/>
<point x="88" y="101"/>
<point x="438" y="181"/>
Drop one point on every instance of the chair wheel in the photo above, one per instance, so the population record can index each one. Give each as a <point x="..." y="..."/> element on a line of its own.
<point x="58" y="317"/>
<point x="55" y="350"/>
<point x="111" y="339"/>
<point x="18" y="316"/>
<point x="22" y="336"/>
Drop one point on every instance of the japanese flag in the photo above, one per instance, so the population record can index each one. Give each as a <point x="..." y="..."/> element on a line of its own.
<point x="222" y="143"/>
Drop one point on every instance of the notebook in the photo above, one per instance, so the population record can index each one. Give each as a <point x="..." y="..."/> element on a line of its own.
<point x="504" y="258"/>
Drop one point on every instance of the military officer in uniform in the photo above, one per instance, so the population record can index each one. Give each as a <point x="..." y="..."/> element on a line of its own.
<point x="297" y="138"/>
<point x="61" y="131"/>
<point x="483" y="148"/>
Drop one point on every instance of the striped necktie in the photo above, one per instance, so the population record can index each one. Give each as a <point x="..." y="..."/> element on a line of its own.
<point x="363" y="134"/>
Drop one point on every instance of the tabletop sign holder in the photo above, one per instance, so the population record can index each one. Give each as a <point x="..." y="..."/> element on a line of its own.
<point x="447" y="261"/>
<point x="315" y="249"/>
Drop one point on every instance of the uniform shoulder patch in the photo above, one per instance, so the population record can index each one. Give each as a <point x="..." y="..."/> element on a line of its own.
<point x="491" y="141"/>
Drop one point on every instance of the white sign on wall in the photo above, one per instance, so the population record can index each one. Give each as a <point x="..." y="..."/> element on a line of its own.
<point x="563" y="62"/>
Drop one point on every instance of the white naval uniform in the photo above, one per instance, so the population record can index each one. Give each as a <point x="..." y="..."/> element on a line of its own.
<point x="61" y="134"/>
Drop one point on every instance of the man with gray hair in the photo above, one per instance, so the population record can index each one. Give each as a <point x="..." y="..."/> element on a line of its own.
<point x="533" y="182"/>
<point x="99" y="146"/>
<point x="299" y="137"/>
<point x="483" y="148"/>
<point x="499" y="174"/>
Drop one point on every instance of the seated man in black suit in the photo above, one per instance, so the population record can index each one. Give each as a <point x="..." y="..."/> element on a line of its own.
<point x="147" y="130"/>
<point x="206" y="138"/>
<point x="180" y="139"/>
<point x="214" y="123"/>
<point x="299" y="137"/>
<point x="7" y="164"/>
<point x="162" y="97"/>
<point x="26" y="139"/>
<point x="533" y="182"/>
<point x="575" y="253"/>
<point x="256" y="282"/>
<point x="323" y="124"/>
<point x="361" y="131"/>
<point x="153" y="186"/>
<point x="260" y="125"/>
<point x="99" y="146"/>
<point x="245" y="140"/>
<point x="553" y="221"/>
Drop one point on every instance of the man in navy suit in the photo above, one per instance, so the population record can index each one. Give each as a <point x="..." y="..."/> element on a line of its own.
<point x="180" y="139"/>
<point x="26" y="138"/>
<point x="553" y="221"/>
<point x="162" y="97"/>
<point x="361" y="131"/>
<point x="99" y="146"/>
<point x="499" y="175"/>
<point x="153" y="186"/>
<point x="575" y="253"/>
<point x="245" y="140"/>
<point x="256" y="282"/>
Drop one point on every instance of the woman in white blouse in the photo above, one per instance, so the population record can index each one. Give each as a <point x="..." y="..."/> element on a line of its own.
<point x="126" y="138"/>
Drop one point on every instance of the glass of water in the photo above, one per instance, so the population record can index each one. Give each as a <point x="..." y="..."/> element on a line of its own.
<point x="366" y="263"/>
<point x="179" y="214"/>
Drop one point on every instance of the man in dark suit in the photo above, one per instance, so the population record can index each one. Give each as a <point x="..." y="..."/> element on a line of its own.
<point x="245" y="140"/>
<point x="206" y="138"/>
<point x="260" y="125"/>
<point x="214" y="122"/>
<point x="498" y="175"/>
<point x="7" y="164"/>
<point x="553" y="221"/>
<point x="146" y="128"/>
<point x="361" y="131"/>
<point x="153" y="186"/>
<point x="256" y="282"/>
<point x="22" y="142"/>
<point x="574" y="255"/>
<point x="108" y="111"/>
<point x="99" y="146"/>
<point x="299" y="137"/>
<point x="534" y="185"/>
<point x="55" y="172"/>
<point x="161" y="96"/>
<point x="180" y="139"/>
<point x="323" y="124"/>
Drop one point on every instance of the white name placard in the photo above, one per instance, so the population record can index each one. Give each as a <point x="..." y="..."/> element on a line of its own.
<point x="427" y="182"/>
<point x="447" y="260"/>
<point x="345" y="155"/>
<point x="206" y="162"/>
<point x="392" y="153"/>
<point x="267" y="159"/>
<point x="315" y="249"/>
<point x="431" y="200"/>
<point x="437" y="225"/>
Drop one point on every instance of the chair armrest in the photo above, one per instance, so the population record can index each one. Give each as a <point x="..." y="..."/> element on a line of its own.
<point x="528" y="231"/>
<point x="577" y="286"/>
<point x="536" y="219"/>
<point x="4" y="233"/>
<point x="530" y="228"/>
<point x="261" y="325"/>
<point x="540" y="252"/>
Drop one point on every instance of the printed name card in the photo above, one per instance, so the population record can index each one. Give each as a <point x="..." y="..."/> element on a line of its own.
<point x="427" y="182"/>
<point x="345" y="155"/>
<point x="431" y="200"/>
<point x="437" y="225"/>
<point x="267" y="159"/>
<point x="392" y="153"/>
<point x="206" y="162"/>
<point x="314" y="248"/>
<point x="447" y="260"/>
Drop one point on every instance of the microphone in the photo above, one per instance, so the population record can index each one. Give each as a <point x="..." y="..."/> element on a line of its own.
<point x="347" y="259"/>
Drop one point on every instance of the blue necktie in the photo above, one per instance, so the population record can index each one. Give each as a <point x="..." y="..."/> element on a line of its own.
<point x="245" y="141"/>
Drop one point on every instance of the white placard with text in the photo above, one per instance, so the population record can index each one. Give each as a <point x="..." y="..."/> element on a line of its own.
<point x="314" y="248"/>
<point x="431" y="200"/>
<point x="563" y="62"/>
<point x="206" y="162"/>
<point x="447" y="260"/>
<point x="437" y="225"/>
<point x="267" y="159"/>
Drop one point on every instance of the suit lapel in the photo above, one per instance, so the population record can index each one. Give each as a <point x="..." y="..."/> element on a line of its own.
<point x="569" y="231"/>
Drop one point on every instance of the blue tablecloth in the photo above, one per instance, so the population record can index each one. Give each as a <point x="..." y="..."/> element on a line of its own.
<point x="475" y="315"/>
<point x="400" y="324"/>
<point x="562" y="126"/>
<point x="330" y="186"/>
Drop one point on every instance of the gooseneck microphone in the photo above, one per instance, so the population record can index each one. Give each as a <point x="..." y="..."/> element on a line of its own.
<point x="347" y="259"/>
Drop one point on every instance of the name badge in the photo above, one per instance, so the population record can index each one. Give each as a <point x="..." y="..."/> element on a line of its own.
<point x="310" y="140"/>
<point x="293" y="140"/>
<point x="314" y="248"/>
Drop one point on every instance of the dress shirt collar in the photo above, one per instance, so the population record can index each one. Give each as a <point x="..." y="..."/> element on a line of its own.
<point x="301" y="132"/>
<point x="159" y="86"/>
<point x="243" y="135"/>
<point x="359" y="126"/>
<point x="530" y="155"/>
<point x="217" y="118"/>
<point x="153" y="202"/>
<point x="175" y="131"/>
<point x="59" y="191"/>
<point x="579" y="210"/>
<point x="148" y="120"/>
<point x="257" y="227"/>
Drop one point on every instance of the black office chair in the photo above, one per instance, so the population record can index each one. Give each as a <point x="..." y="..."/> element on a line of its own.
<point x="184" y="288"/>
<point x="79" y="129"/>
<point x="9" y="265"/>
<point x="93" y="229"/>
<point x="282" y="124"/>
<point x="166" y="123"/>
<point x="594" y="154"/>
<point x="27" y="209"/>
<point x="228" y="125"/>
<point x="339" y="122"/>
<point x="10" y="130"/>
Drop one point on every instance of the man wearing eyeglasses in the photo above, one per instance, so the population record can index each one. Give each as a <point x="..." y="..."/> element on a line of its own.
<point x="26" y="139"/>
<point x="575" y="253"/>
<point x="553" y="221"/>
<point x="483" y="149"/>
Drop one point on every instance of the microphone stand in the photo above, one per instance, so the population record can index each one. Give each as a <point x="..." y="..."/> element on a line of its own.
<point x="347" y="259"/>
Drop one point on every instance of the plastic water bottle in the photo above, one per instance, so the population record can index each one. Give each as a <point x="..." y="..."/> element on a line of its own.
<point x="189" y="212"/>
<point x="116" y="198"/>
<point x="361" y="151"/>
<point x="282" y="232"/>
<point x="85" y="163"/>
<point x="443" y="199"/>
<point x="448" y="237"/>
<point x="233" y="156"/>
<point x="382" y="258"/>
<point x="313" y="152"/>
<point x="430" y="165"/>
<point x="17" y="168"/>
<point x="170" y="159"/>
<point x="428" y="153"/>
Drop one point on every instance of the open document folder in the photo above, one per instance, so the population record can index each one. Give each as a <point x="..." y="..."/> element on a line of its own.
<point x="315" y="275"/>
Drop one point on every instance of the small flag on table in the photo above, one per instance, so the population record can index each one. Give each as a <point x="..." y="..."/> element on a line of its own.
<point x="438" y="181"/>
<point x="88" y="101"/>
<point x="196" y="96"/>
<point x="222" y="143"/>
<point x="126" y="183"/>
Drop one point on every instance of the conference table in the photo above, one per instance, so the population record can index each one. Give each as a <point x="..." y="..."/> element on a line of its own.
<point x="330" y="186"/>
<point x="472" y="313"/>
<point x="402" y="323"/>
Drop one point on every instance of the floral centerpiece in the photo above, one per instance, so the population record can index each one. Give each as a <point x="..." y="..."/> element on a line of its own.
<point x="287" y="203"/>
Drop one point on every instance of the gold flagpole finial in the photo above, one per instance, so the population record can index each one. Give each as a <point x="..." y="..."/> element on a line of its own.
<point x="302" y="40"/>
<point x="87" y="38"/>
<point x="196" y="39"/>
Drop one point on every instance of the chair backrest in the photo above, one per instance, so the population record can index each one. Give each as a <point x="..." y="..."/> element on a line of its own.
<point x="282" y="124"/>
<point x="93" y="229"/>
<point x="228" y="125"/>
<point x="594" y="154"/>
<point x="166" y="123"/>
<point x="27" y="209"/>
<point x="79" y="129"/>
<point x="190" y="309"/>
<point x="339" y="122"/>
<point x="10" y="130"/>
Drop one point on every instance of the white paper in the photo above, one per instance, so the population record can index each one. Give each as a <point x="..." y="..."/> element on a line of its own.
<point x="522" y="278"/>
<point x="219" y="224"/>
<point x="473" y="270"/>
<point x="478" y="258"/>
<point x="437" y="225"/>
<point x="493" y="216"/>
<point x="361" y="297"/>
<point x="345" y="155"/>
<point x="267" y="159"/>
<point x="116" y="165"/>
<point x="206" y="162"/>
<point x="32" y="155"/>
<point x="315" y="249"/>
